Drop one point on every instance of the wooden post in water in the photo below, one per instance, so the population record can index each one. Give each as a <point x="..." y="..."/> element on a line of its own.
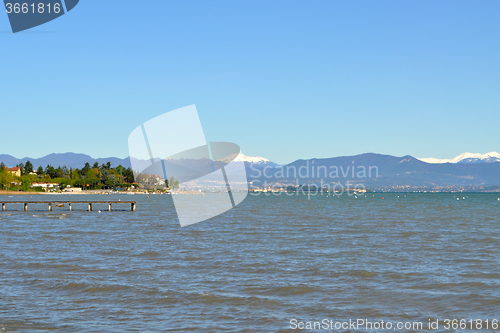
<point x="133" y="204"/>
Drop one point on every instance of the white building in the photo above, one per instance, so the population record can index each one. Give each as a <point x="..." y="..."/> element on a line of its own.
<point x="73" y="189"/>
<point x="45" y="185"/>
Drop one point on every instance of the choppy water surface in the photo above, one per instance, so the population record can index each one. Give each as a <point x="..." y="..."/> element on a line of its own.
<point x="271" y="259"/>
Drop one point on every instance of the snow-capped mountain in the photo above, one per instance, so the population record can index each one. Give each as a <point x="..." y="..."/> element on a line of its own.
<point x="256" y="160"/>
<point x="466" y="158"/>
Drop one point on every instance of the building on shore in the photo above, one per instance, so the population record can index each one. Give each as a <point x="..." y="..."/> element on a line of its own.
<point x="45" y="186"/>
<point x="73" y="190"/>
<point x="16" y="171"/>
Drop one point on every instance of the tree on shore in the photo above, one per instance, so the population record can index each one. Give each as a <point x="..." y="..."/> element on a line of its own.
<point x="172" y="183"/>
<point x="21" y="167"/>
<point x="6" y="177"/>
<point x="28" y="167"/>
<point x="85" y="169"/>
<point x="90" y="177"/>
<point x="128" y="175"/>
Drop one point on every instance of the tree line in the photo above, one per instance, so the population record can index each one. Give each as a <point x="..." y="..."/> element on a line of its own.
<point x="89" y="177"/>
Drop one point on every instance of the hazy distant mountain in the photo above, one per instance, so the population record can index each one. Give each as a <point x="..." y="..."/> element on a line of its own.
<point x="466" y="158"/>
<point x="70" y="160"/>
<point x="73" y="160"/>
<point x="386" y="171"/>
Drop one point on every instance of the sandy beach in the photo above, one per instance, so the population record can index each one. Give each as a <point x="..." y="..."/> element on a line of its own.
<point x="3" y="192"/>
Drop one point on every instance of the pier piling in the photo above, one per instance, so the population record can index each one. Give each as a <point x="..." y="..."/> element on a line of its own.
<point x="70" y="204"/>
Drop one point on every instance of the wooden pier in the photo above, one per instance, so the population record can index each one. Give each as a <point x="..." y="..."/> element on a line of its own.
<point x="70" y="204"/>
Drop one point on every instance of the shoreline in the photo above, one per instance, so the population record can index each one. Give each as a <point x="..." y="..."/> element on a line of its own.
<point x="5" y="192"/>
<point x="88" y="192"/>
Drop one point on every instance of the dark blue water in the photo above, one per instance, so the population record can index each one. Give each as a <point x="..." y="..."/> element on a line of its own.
<point x="407" y="257"/>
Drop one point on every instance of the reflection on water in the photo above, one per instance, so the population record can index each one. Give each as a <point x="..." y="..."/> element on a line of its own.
<point x="253" y="268"/>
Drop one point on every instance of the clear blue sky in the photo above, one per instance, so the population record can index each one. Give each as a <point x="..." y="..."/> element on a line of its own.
<point x="283" y="79"/>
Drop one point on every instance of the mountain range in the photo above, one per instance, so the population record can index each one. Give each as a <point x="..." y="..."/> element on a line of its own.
<point x="74" y="160"/>
<point x="466" y="170"/>
<point x="381" y="171"/>
<point x="70" y="160"/>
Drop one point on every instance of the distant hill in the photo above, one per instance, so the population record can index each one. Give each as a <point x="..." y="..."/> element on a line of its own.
<point x="71" y="160"/>
<point x="376" y="170"/>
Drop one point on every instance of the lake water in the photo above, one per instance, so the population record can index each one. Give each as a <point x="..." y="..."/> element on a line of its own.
<point x="407" y="257"/>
